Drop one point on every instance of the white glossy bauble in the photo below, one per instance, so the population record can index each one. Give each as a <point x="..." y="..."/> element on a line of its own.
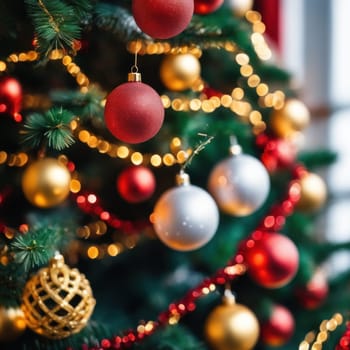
<point x="240" y="184"/>
<point x="185" y="217"/>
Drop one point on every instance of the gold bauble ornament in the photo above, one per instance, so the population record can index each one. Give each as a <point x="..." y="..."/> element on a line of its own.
<point x="12" y="324"/>
<point x="180" y="72"/>
<point x="313" y="193"/>
<point x="45" y="183"/>
<point x="232" y="326"/>
<point x="291" y="119"/>
<point x="57" y="301"/>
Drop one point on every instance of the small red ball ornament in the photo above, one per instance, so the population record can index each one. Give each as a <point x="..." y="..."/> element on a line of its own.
<point x="314" y="293"/>
<point x="272" y="259"/>
<point x="162" y="19"/>
<point x="136" y="184"/>
<point x="204" y="7"/>
<point x="279" y="328"/>
<point x="134" y="112"/>
<point x="277" y="153"/>
<point x="10" y="97"/>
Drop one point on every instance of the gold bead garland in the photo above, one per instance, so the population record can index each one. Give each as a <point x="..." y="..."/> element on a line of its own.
<point x="13" y="159"/>
<point x="318" y="339"/>
<point x="178" y="155"/>
<point x="233" y="101"/>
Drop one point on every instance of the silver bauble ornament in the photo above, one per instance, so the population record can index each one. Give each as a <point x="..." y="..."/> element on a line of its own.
<point x="185" y="217"/>
<point x="240" y="184"/>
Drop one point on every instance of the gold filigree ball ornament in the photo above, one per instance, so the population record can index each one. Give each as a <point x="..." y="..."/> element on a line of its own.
<point x="232" y="326"/>
<point x="57" y="301"/>
<point x="180" y="72"/>
<point x="313" y="193"/>
<point x="291" y="119"/>
<point x="12" y="324"/>
<point x="45" y="182"/>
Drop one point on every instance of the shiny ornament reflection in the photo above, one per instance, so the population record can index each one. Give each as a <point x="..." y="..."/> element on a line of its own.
<point x="313" y="193"/>
<point x="291" y="119"/>
<point x="12" y="324"/>
<point x="45" y="182"/>
<point x="185" y="217"/>
<point x="180" y="72"/>
<point x="232" y="326"/>
<point x="240" y="184"/>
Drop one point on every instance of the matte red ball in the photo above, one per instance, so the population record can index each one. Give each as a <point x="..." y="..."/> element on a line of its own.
<point x="136" y="184"/>
<point x="204" y="7"/>
<point x="162" y="19"/>
<point x="134" y="112"/>
<point x="314" y="293"/>
<point x="279" y="328"/>
<point x="272" y="259"/>
<point x="10" y="96"/>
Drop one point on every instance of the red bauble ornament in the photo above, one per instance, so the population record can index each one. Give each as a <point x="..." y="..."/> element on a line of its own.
<point x="134" y="112"/>
<point x="162" y="19"/>
<point x="272" y="259"/>
<point x="10" y="97"/>
<point x="136" y="184"/>
<point x="204" y="7"/>
<point x="314" y="293"/>
<point x="279" y="328"/>
<point x="278" y="153"/>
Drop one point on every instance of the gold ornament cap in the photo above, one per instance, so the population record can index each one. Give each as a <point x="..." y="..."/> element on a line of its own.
<point x="134" y="77"/>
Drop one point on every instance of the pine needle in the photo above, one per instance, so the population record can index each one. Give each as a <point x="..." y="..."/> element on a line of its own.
<point x="56" y="24"/>
<point x="51" y="128"/>
<point x="34" y="248"/>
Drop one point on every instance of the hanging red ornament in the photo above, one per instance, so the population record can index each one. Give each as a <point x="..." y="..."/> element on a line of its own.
<point x="204" y="7"/>
<point x="314" y="293"/>
<point x="134" y="112"/>
<point x="162" y="19"/>
<point x="272" y="259"/>
<point x="11" y="97"/>
<point x="279" y="328"/>
<point x="136" y="184"/>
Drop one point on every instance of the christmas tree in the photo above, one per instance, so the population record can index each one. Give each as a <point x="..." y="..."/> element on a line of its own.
<point x="153" y="193"/>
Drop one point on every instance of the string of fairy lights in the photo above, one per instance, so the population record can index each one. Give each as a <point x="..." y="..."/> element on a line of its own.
<point x="177" y="155"/>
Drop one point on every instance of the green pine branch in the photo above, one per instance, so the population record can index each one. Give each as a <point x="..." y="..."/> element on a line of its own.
<point x="35" y="248"/>
<point x="118" y="21"/>
<point x="85" y="105"/>
<point x="51" y="128"/>
<point x="57" y="24"/>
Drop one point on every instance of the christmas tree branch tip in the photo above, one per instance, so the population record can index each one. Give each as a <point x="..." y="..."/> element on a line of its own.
<point x="51" y="128"/>
<point x="57" y="25"/>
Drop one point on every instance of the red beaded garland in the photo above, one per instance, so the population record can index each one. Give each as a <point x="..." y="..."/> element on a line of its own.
<point x="344" y="341"/>
<point x="89" y="203"/>
<point x="134" y="112"/>
<point x="204" y="7"/>
<point x="162" y="19"/>
<point x="136" y="184"/>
